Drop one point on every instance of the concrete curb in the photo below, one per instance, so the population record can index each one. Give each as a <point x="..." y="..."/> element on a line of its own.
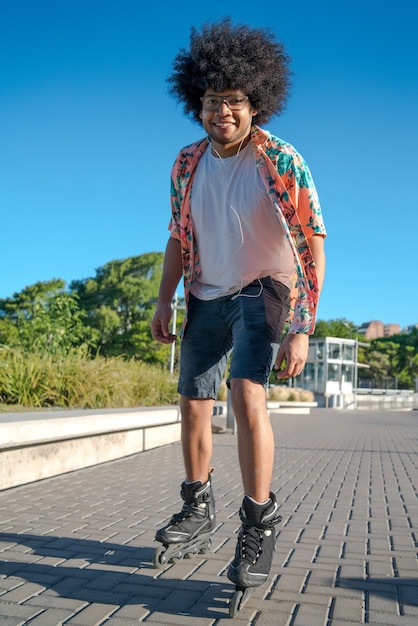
<point x="34" y="446"/>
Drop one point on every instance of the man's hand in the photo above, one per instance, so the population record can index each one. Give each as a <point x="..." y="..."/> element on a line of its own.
<point x="160" y="322"/>
<point x="294" y="350"/>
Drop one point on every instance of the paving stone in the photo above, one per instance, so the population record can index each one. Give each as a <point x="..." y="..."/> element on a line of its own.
<point x="278" y="618"/>
<point x="51" y="617"/>
<point x="159" y="618"/>
<point x="136" y="611"/>
<point x="93" y="615"/>
<point x="390" y="619"/>
<point x="115" y="621"/>
<point x="22" y="593"/>
<point x="10" y="621"/>
<point x="17" y="611"/>
<point x="314" y="615"/>
<point x="50" y="600"/>
<point x="80" y="545"/>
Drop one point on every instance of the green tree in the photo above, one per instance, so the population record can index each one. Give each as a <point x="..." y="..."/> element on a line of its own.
<point x="43" y="319"/>
<point x="402" y="355"/>
<point x="23" y="303"/>
<point x="379" y="367"/>
<point x="339" y="327"/>
<point x="9" y="333"/>
<point x="119" y="303"/>
<point x="108" y="314"/>
<point x="55" y="327"/>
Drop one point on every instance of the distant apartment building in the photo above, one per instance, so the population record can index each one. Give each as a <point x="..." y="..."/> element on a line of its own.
<point x="376" y="329"/>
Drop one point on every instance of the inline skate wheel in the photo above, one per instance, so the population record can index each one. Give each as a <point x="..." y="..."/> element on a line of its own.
<point x="205" y="547"/>
<point x="158" y="558"/>
<point x="238" y="599"/>
<point x="191" y="553"/>
<point x="235" y="602"/>
<point x="176" y="559"/>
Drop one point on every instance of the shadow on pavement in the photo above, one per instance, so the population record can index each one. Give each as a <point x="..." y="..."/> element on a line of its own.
<point x="401" y="590"/>
<point x="107" y="573"/>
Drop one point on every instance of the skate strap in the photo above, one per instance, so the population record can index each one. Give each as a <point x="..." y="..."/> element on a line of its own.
<point x="260" y="525"/>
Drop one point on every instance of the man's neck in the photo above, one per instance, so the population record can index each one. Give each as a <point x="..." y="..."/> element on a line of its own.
<point x="227" y="150"/>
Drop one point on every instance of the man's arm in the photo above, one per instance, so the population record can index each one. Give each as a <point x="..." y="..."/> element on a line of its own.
<point x="294" y="348"/>
<point x="316" y="244"/>
<point x="172" y="271"/>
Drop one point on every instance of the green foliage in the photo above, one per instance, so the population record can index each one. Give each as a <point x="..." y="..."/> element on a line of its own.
<point x="77" y="381"/>
<point x="89" y="345"/>
<point x="9" y="333"/>
<point x="22" y="304"/>
<point x="43" y="319"/>
<point x="394" y="357"/>
<point x="119" y="304"/>
<point x="108" y="314"/>
<point x="339" y="327"/>
<point x="55" y="327"/>
<point x="379" y="364"/>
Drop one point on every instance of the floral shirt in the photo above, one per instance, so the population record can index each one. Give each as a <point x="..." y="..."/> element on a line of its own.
<point x="294" y="199"/>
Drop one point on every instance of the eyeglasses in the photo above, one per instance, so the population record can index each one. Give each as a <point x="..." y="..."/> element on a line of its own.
<point x="234" y="103"/>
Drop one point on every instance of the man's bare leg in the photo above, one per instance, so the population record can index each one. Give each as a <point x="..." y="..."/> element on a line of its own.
<point x="255" y="437"/>
<point x="196" y="436"/>
<point x="188" y="531"/>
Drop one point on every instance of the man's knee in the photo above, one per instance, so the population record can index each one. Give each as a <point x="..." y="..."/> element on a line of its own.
<point x="196" y="408"/>
<point x="248" y="394"/>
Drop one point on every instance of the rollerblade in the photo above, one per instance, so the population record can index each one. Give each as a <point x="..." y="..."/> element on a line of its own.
<point x="188" y="532"/>
<point x="254" y="552"/>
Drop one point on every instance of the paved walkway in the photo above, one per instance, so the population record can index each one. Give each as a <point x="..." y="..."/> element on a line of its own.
<point x="77" y="549"/>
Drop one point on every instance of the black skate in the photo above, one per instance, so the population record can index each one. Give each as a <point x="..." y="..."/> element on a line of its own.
<point x="254" y="552"/>
<point x="188" y="532"/>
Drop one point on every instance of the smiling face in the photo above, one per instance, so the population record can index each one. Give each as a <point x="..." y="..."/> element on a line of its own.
<point x="226" y="128"/>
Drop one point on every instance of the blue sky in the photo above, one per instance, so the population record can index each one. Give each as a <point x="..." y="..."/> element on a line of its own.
<point x="88" y="134"/>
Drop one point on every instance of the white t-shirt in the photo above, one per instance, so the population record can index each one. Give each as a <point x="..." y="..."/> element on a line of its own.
<point x="239" y="236"/>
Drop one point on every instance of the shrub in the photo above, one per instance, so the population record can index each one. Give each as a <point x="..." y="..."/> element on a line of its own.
<point x="223" y="392"/>
<point x="276" y="393"/>
<point x="77" y="381"/>
<point x="280" y="393"/>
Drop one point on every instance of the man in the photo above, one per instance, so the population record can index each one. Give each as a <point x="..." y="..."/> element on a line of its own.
<point x="246" y="228"/>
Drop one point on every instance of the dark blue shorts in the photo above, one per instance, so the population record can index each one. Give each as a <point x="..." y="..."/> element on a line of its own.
<point x="247" y="325"/>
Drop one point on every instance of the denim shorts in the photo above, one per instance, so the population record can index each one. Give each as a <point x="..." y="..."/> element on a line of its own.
<point x="247" y="325"/>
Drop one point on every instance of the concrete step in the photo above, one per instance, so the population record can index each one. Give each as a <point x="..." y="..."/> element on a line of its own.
<point x="39" y="445"/>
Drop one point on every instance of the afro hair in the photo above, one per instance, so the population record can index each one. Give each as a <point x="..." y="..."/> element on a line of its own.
<point x="223" y="56"/>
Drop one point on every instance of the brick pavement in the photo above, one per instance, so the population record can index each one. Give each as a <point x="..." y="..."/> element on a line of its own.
<point x="77" y="549"/>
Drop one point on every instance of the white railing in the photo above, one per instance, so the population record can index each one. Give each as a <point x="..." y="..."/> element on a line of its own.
<point x="386" y="399"/>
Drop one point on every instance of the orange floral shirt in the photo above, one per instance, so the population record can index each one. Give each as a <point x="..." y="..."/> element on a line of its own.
<point x="294" y="199"/>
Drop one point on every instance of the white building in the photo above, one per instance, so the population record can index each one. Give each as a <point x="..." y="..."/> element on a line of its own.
<point x="331" y="371"/>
